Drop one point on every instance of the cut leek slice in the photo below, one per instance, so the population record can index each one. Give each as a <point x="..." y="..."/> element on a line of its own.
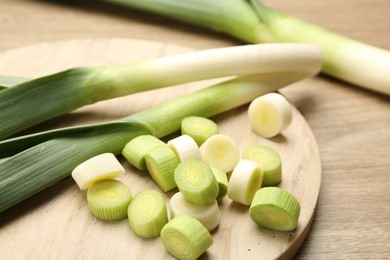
<point x="147" y="213"/>
<point x="275" y="208"/>
<point x="100" y="167"/>
<point x="184" y="237"/>
<point x="220" y="151"/>
<point x="135" y="150"/>
<point x="245" y="180"/>
<point x="185" y="147"/>
<point x="270" y="161"/>
<point x="199" y="128"/>
<point x="161" y="163"/>
<point x="222" y="180"/>
<point x="208" y="215"/>
<point x="196" y="182"/>
<point x="108" y="200"/>
<point x="270" y="114"/>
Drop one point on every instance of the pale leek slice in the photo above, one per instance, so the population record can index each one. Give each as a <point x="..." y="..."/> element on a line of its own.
<point x="135" y="150"/>
<point x="196" y="182"/>
<point x="270" y="161"/>
<point x="185" y="147"/>
<point x="244" y="181"/>
<point x="147" y="213"/>
<point x="270" y="114"/>
<point x="108" y="200"/>
<point x="184" y="237"/>
<point x="220" y="151"/>
<point x="161" y="163"/>
<point x="199" y="128"/>
<point x="275" y="208"/>
<point x="208" y="215"/>
<point x="99" y="167"/>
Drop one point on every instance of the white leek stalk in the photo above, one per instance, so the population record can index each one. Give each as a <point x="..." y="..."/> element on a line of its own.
<point x="344" y="58"/>
<point x="73" y="88"/>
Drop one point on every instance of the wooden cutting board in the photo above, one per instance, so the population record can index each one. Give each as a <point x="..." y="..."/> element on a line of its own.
<point x="56" y="223"/>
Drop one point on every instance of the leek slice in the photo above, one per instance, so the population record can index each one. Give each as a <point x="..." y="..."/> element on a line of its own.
<point x="220" y="151"/>
<point x="222" y="180"/>
<point x="185" y="147"/>
<point x="270" y="161"/>
<point x="199" y="128"/>
<point x="196" y="182"/>
<point x="147" y="213"/>
<point x="135" y="150"/>
<point x="161" y="163"/>
<point x="99" y="167"/>
<point x="270" y="114"/>
<point x="208" y="215"/>
<point x="275" y="208"/>
<point x="245" y="180"/>
<point x="184" y="237"/>
<point x="108" y="200"/>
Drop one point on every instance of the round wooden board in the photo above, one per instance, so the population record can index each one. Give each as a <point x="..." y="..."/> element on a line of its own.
<point x="56" y="223"/>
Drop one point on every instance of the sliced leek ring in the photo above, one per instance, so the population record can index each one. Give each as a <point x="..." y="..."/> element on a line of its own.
<point x="108" y="200"/>
<point x="100" y="167"/>
<point x="185" y="238"/>
<point x="270" y="114"/>
<point x="147" y="213"/>
<point x="270" y="161"/>
<point x="220" y="151"/>
<point x="208" y="215"/>
<point x="245" y="180"/>
<point x="275" y="209"/>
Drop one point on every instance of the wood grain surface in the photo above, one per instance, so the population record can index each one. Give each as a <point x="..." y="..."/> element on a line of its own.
<point x="351" y="125"/>
<point x="67" y="212"/>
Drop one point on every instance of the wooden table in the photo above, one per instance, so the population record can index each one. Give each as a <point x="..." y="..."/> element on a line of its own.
<point x="351" y="125"/>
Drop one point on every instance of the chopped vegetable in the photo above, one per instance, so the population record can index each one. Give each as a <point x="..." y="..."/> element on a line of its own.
<point x="196" y="182"/>
<point x="161" y="163"/>
<point x="270" y="161"/>
<point x="135" y="150"/>
<point x="208" y="215"/>
<point x="245" y="180"/>
<point x="185" y="238"/>
<point x="29" y="167"/>
<point x="222" y="180"/>
<point x="147" y="213"/>
<point x="270" y="114"/>
<point x="99" y="167"/>
<point x="199" y="128"/>
<point x="108" y="200"/>
<point x="220" y="151"/>
<point x="344" y="58"/>
<point x="275" y="208"/>
<point x="185" y="147"/>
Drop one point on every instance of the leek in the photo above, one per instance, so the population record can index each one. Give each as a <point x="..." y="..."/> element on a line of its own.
<point x="34" y="162"/>
<point x="70" y="89"/>
<point x="344" y="58"/>
<point x="109" y="199"/>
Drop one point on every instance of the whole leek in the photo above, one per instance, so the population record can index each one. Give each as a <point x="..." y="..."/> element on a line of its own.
<point x="57" y="94"/>
<point x="43" y="159"/>
<point x="346" y="59"/>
